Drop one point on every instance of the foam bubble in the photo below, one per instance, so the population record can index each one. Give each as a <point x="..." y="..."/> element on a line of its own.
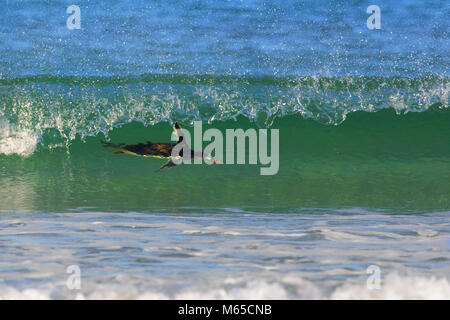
<point x="27" y="294"/>
<point x="289" y="286"/>
<point x="398" y="287"/>
<point x="16" y="141"/>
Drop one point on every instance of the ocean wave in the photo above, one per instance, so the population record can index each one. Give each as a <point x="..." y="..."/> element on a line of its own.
<point x="53" y="110"/>
<point x="288" y="286"/>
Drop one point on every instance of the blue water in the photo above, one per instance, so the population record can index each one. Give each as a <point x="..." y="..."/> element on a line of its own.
<point x="225" y="37"/>
<point x="354" y="190"/>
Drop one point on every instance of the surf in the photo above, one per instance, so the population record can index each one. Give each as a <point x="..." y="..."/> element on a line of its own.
<point x="51" y="111"/>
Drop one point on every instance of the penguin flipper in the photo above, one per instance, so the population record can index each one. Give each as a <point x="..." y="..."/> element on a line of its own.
<point x="169" y="164"/>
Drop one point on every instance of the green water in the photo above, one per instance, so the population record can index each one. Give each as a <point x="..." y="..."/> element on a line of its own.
<point x="379" y="159"/>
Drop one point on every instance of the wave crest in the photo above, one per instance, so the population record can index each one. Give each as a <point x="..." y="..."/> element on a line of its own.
<point x="55" y="109"/>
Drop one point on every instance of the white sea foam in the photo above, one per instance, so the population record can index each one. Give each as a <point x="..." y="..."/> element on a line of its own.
<point x="397" y="287"/>
<point x="289" y="286"/>
<point x="10" y="293"/>
<point x="16" y="141"/>
<point x="130" y="256"/>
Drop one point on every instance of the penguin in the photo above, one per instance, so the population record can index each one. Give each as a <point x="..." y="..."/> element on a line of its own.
<point x="161" y="150"/>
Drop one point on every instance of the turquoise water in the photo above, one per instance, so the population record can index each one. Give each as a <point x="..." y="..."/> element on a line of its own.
<point x="364" y="168"/>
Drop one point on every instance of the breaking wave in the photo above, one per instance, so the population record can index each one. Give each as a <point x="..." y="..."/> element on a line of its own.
<point x="51" y="111"/>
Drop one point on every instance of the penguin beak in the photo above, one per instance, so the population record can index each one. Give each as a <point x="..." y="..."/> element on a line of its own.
<point x="216" y="161"/>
